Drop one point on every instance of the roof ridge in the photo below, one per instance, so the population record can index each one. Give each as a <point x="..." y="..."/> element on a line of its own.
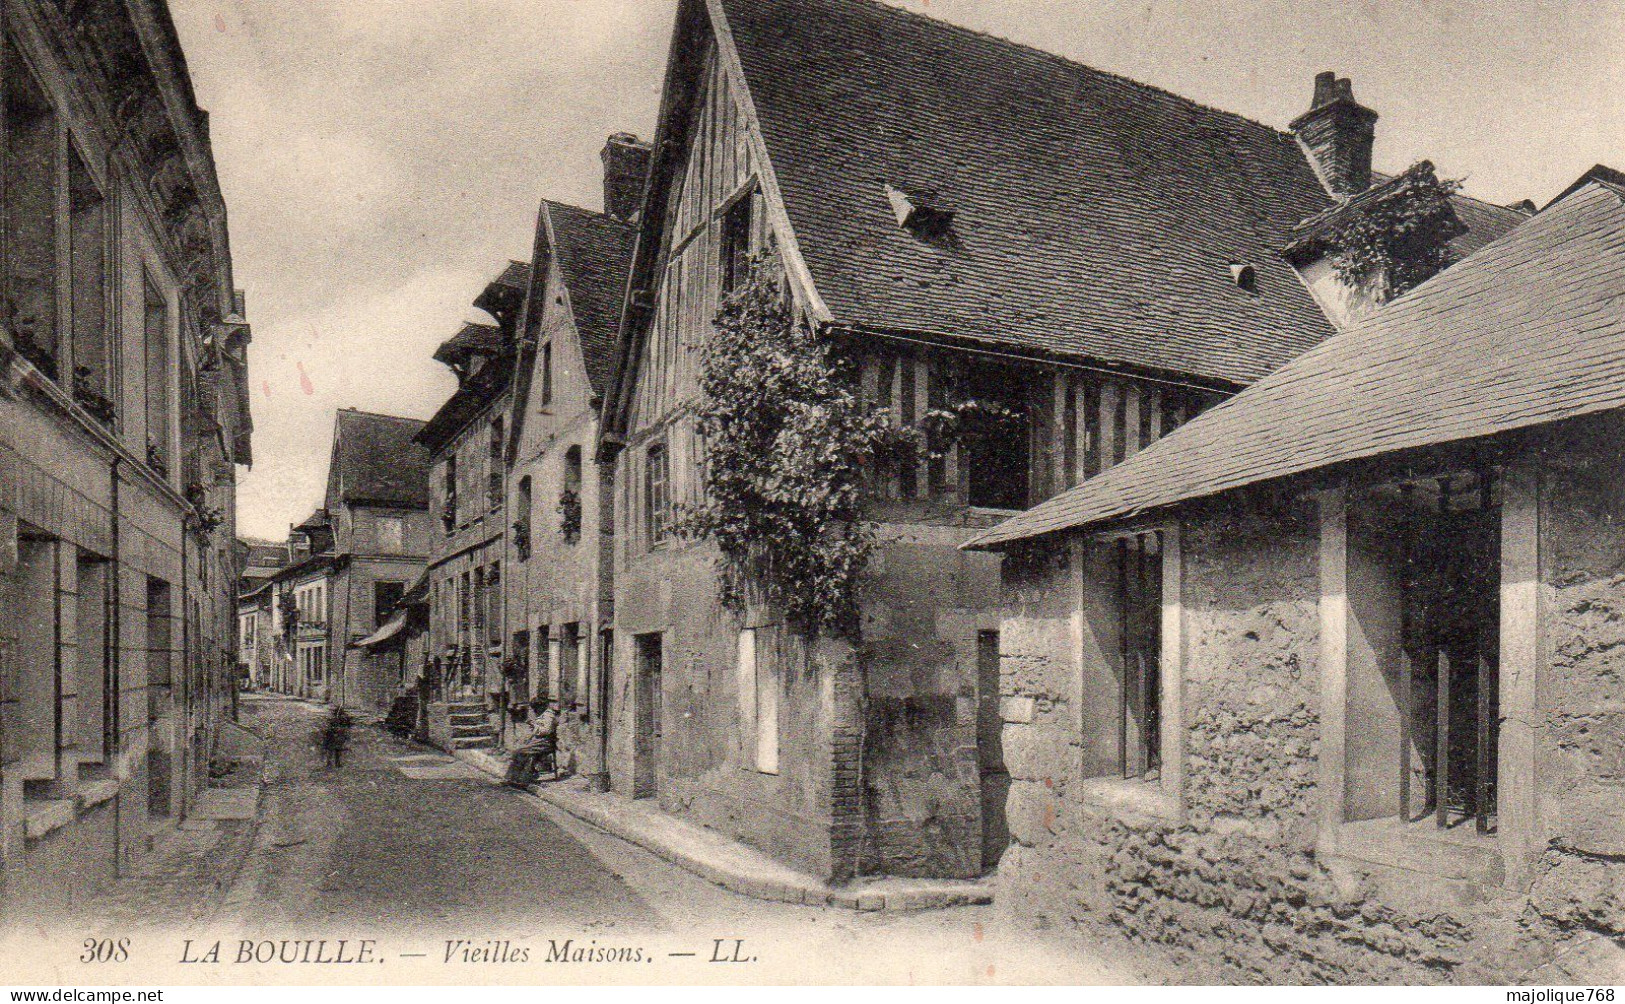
<point x="597" y="215"/>
<point x="379" y="414"/>
<point x="1065" y="61"/>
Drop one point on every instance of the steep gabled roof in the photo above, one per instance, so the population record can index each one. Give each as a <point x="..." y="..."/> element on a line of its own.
<point x="1525" y="331"/>
<point x="376" y="460"/>
<point x="593" y="252"/>
<point x="1093" y="216"/>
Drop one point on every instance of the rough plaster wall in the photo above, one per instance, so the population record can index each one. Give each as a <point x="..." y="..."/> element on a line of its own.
<point x="921" y="776"/>
<point x="1577" y="901"/>
<point x="703" y="771"/>
<point x="1234" y="892"/>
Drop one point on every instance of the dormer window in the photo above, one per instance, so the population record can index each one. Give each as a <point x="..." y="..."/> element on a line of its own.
<point x="917" y="214"/>
<point x="1244" y="276"/>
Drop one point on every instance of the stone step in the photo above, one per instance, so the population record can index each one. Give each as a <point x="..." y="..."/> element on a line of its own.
<point x="465" y="708"/>
<point x="466" y="719"/>
<point x="472" y="742"/>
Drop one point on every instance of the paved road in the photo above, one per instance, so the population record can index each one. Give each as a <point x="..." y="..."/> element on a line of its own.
<point x="448" y="871"/>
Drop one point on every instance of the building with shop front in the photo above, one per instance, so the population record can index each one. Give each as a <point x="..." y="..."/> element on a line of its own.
<point x="123" y="417"/>
<point x="1364" y="620"/>
<point x="378" y="503"/>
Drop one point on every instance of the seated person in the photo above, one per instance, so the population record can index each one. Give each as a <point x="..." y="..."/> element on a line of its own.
<point x="542" y="745"/>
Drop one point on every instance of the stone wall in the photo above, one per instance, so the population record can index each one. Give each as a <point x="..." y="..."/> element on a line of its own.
<point x="1578" y="890"/>
<point x="878" y="770"/>
<point x="1224" y="880"/>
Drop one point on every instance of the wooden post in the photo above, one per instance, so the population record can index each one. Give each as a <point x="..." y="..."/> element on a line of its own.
<point x="1483" y="748"/>
<point x="1441" y="748"/>
<point x="1407" y="703"/>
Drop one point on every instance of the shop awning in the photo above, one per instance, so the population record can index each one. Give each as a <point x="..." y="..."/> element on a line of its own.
<point x="381" y="636"/>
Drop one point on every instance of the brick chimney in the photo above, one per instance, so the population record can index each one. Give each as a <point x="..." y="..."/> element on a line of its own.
<point x="1337" y="132"/>
<point x="626" y="168"/>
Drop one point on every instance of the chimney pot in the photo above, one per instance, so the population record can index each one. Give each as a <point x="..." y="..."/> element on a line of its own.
<point x="1325" y="85"/>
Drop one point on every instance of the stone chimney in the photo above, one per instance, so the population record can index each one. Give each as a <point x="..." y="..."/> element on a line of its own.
<point x="626" y="168"/>
<point x="1337" y="132"/>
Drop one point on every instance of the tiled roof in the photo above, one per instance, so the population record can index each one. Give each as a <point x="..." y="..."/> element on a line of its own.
<point x="482" y="338"/>
<point x="1527" y="330"/>
<point x="475" y="395"/>
<point x="594" y="252"/>
<point x="1093" y="216"/>
<point x="377" y="460"/>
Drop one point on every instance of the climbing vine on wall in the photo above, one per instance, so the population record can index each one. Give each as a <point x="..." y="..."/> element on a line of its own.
<point x="1398" y="240"/>
<point x="787" y="439"/>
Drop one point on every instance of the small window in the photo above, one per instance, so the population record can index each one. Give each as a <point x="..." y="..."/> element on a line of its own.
<point x="736" y="246"/>
<point x="448" y="513"/>
<point x="386" y="596"/>
<point x="391" y="534"/>
<point x="656" y="497"/>
<point x="29" y="301"/>
<point x="87" y="270"/>
<point x="570" y="496"/>
<point x="155" y="339"/>
<point x="547" y="374"/>
<point x="521" y="523"/>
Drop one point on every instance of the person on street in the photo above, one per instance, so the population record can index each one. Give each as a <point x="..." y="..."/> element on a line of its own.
<point x="541" y="747"/>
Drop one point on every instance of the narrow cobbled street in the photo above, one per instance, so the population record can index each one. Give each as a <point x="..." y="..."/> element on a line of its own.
<point x="451" y="876"/>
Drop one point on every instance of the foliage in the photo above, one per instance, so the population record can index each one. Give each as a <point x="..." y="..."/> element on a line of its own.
<point x="289" y="608"/>
<point x="1398" y="240"/>
<point x="209" y="517"/>
<point x="155" y="459"/>
<point x="521" y="539"/>
<point x="971" y="420"/>
<point x="89" y="396"/>
<point x="787" y="440"/>
<point x="570" y="514"/>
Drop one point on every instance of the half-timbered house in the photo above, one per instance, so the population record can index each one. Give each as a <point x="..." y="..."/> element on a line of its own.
<point x="974" y="221"/>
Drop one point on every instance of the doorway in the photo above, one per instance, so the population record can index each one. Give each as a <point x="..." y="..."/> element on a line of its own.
<point x="995" y="777"/>
<point x="646" y="747"/>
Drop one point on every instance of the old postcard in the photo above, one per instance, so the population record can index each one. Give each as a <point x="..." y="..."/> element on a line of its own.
<point x="514" y="492"/>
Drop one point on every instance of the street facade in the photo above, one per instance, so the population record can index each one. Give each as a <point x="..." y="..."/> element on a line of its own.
<point x="949" y="508"/>
<point x="123" y="418"/>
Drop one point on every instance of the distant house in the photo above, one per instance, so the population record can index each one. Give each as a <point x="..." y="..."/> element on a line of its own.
<point x="259" y="560"/>
<point x="378" y="502"/>
<point x="1364" y="618"/>
<point x="968" y="221"/>
<point x="349" y="565"/>
<point x="559" y="611"/>
<point x="300" y="613"/>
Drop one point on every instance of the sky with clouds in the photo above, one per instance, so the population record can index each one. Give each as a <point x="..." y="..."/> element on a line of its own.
<point x="382" y="159"/>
